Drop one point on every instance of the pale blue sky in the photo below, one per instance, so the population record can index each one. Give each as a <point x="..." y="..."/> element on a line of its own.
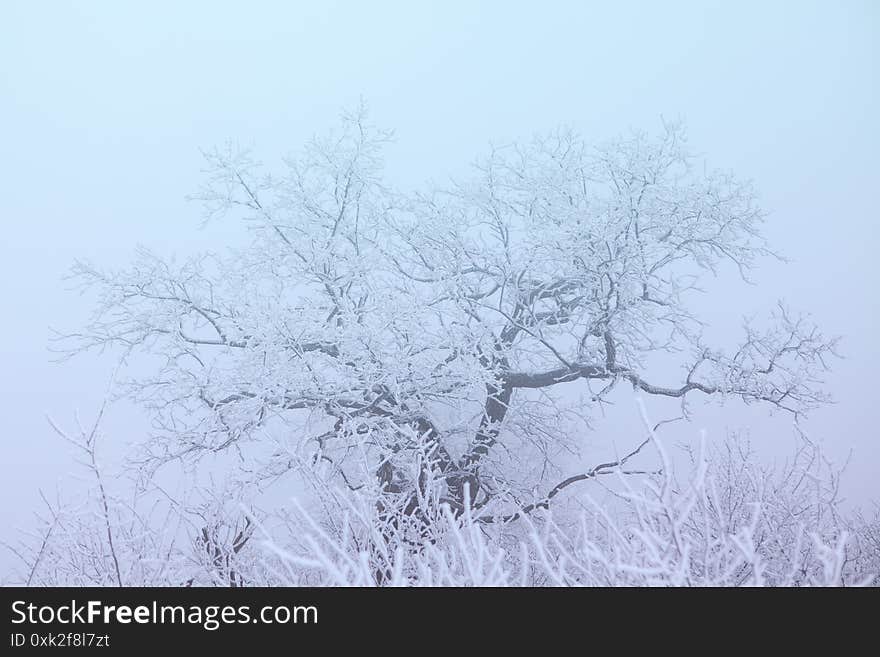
<point x="104" y="106"/>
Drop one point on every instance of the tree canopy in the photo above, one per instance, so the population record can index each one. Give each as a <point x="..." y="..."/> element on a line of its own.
<point x="399" y="340"/>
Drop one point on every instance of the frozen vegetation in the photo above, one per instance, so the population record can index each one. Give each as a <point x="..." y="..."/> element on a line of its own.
<point x="419" y="370"/>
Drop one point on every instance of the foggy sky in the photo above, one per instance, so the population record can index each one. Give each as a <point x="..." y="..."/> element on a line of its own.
<point x="104" y="107"/>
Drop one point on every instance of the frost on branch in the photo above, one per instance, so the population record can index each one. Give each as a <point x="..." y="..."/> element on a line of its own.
<point x="729" y="522"/>
<point x="413" y="345"/>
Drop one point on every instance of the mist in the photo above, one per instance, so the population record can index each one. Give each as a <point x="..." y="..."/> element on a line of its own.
<point x="106" y="111"/>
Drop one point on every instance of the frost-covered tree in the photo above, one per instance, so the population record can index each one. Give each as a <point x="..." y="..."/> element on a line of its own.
<point x="443" y="346"/>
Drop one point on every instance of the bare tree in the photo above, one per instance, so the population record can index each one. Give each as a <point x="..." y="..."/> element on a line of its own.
<point x="417" y="346"/>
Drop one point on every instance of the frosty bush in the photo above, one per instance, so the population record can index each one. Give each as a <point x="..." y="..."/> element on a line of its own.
<point x="730" y="522"/>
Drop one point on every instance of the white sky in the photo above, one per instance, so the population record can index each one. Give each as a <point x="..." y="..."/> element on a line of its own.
<point x="104" y="106"/>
